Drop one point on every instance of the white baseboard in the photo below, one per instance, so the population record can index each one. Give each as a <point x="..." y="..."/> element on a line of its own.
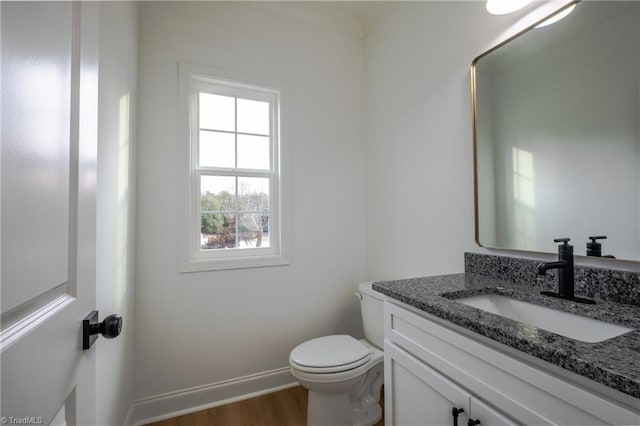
<point x="178" y="403"/>
<point x="128" y="419"/>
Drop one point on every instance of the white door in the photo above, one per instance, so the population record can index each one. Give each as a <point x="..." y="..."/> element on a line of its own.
<point x="49" y="132"/>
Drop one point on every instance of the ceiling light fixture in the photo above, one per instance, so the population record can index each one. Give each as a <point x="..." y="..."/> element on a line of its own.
<point x="503" y="7"/>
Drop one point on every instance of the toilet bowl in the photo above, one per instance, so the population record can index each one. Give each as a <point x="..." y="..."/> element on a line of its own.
<point x="344" y="375"/>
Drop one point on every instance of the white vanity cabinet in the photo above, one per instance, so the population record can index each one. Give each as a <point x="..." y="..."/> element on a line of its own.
<point x="431" y="369"/>
<point x="422" y="396"/>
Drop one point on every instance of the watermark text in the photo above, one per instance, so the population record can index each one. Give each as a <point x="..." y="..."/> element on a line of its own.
<point x="28" y="420"/>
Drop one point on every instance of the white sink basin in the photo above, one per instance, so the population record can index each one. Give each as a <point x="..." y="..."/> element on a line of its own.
<point x="563" y="323"/>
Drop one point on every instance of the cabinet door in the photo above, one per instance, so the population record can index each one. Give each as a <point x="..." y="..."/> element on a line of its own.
<point x="416" y="395"/>
<point x="486" y="414"/>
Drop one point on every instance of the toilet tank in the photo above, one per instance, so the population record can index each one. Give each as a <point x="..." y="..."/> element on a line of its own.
<point x="371" y="309"/>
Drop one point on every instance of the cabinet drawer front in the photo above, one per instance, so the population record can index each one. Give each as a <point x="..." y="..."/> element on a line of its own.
<point x="525" y="393"/>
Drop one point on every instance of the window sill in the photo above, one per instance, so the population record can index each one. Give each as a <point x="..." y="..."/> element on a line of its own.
<point x="240" y="262"/>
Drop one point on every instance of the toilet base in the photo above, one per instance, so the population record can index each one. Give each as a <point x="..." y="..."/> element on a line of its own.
<point x="347" y="404"/>
<point x="326" y="409"/>
<point x="337" y="410"/>
<point x="365" y="401"/>
<point x="366" y="416"/>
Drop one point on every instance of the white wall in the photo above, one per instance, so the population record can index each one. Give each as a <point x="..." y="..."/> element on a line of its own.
<point x="116" y="206"/>
<point x="201" y="328"/>
<point x="419" y="139"/>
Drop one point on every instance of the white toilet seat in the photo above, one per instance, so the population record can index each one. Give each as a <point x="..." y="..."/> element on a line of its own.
<point x="329" y="370"/>
<point x="329" y="354"/>
<point x="376" y="356"/>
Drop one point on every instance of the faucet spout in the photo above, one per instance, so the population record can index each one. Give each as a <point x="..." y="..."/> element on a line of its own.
<point x="544" y="267"/>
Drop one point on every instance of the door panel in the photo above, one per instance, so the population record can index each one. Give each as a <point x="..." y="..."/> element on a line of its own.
<point x="49" y="134"/>
<point x="36" y="108"/>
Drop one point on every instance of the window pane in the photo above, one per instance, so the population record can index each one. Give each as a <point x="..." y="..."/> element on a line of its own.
<point x="218" y="231"/>
<point x="217" y="194"/>
<point x="253" y="230"/>
<point x="253" y="117"/>
<point x="253" y="194"/>
<point x="253" y="152"/>
<point x="217" y="149"/>
<point x="217" y="112"/>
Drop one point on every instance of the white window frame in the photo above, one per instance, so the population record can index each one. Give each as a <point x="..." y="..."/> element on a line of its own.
<point x="194" y="79"/>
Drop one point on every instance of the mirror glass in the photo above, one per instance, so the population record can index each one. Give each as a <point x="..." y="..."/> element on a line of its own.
<point x="556" y="129"/>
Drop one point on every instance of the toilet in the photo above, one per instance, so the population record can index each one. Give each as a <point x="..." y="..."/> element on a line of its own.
<point x="344" y="375"/>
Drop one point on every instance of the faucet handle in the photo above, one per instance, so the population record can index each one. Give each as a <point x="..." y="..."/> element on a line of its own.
<point x="564" y="249"/>
<point x="594" y="248"/>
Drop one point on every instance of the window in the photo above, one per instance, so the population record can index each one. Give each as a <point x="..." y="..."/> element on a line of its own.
<point x="232" y="146"/>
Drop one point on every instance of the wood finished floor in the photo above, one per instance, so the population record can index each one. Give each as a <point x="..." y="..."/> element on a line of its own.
<point x="284" y="408"/>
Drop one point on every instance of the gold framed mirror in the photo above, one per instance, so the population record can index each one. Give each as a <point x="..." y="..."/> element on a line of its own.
<point x="556" y="120"/>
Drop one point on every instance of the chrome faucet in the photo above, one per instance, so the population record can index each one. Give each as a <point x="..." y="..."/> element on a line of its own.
<point x="566" y="278"/>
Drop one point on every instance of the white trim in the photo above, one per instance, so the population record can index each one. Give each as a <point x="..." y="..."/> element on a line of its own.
<point x="178" y="403"/>
<point x="190" y="258"/>
<point x="128" y="419"/>
<point x="30" y="322"/>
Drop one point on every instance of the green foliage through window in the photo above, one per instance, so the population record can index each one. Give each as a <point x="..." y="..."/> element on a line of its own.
<point x="219" y="213"/>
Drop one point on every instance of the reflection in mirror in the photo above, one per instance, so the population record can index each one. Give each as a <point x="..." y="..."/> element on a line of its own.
<point x="557" y="138"/>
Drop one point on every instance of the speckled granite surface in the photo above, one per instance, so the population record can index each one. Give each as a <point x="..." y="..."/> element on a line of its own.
<point x="614" y="362"/>
<point x="605" y="284"/>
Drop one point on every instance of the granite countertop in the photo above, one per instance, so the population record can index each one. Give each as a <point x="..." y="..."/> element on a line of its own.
<point x="614" y="362"/>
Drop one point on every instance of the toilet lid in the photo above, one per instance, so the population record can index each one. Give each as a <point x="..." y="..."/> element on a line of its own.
<point x="330" y="352"/>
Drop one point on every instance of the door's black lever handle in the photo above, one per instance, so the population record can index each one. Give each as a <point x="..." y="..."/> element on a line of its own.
<point x="110" y="327"/>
